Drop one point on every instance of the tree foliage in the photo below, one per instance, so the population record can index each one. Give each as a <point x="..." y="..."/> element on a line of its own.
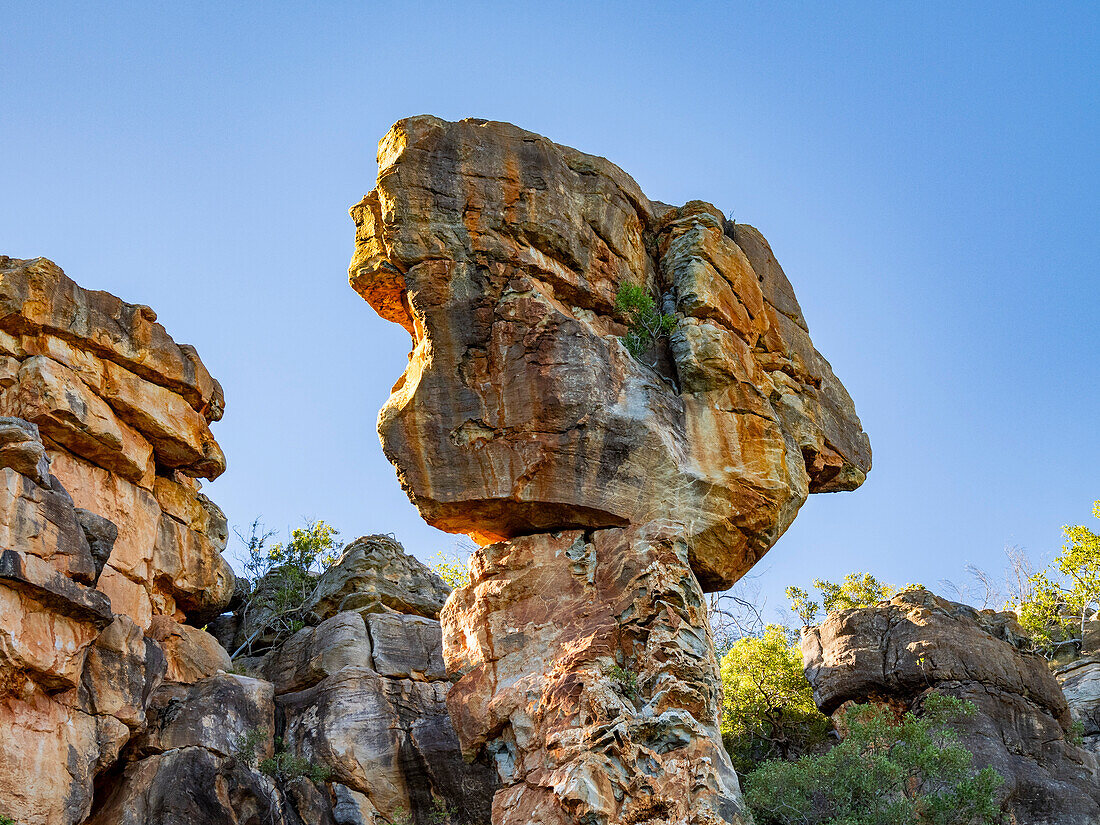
<point x="768" y="708"/>
<point x="857" y="590"/>
<point x="1057" y="602"/>
<point x="646" y="324"/>
<point x="886" y="771"/>
<point x="452" y="570"/>
<point x="280" y="579"/>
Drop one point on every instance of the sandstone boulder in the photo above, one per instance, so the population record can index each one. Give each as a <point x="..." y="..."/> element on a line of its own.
<point x="191" y="786"/>
<point x="1080" y="681"/>
<point x="374" y="574"/>
<point x="612" y="485"/>
<point x="916" y="642"/>
<point x="124" y="412"/>
<point x="502" y="253"/>
<point x="192" y="654"/>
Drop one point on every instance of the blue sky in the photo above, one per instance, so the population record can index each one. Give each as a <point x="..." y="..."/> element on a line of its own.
<point x="927" y="175"/>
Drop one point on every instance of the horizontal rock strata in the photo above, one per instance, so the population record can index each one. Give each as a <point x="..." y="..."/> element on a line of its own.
<point x="107" y="547"/>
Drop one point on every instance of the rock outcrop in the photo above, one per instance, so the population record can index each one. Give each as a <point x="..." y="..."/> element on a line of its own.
<point x="124" y="414"/>
<point x="611" y="491"/>
<point x="106" y="545"/>
<point x="1080" y="681"/>
<point x="901" y="649"/>
<point x="363" y="692"/>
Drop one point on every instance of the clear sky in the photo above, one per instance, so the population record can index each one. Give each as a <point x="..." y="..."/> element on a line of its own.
<point x="926" y="173"/>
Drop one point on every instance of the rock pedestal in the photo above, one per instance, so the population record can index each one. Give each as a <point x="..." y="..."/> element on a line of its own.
<point x="610" y="489"/>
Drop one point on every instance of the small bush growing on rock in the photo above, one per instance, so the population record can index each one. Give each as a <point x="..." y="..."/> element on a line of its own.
<point x="625" y="681"/>
<point x="857" y="590"/>
<point x="452" y="570"/>
<point x="5" y="821"/>
<point x="244" y="749"/>
<point x="280" y="579"/>
<point x="768" y="708"/>
<point x="886" y="771"/>
<point x="645" y="323"/>
<point x="284" y="766"/>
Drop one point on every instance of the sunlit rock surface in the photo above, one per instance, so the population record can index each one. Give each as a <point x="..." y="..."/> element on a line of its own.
<point x="613" y="490"/>
<point x="107" y="547"/>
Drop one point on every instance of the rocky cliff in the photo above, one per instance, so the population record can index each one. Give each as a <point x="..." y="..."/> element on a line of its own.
<point x="609" y="491"/>
<point x="108" y="547"/>
<point x="902" y="649"/>
<point x="116" y="708"/>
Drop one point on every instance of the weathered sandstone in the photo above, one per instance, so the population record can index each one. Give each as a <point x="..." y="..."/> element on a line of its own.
<point x="520" y="410"/>
<point x="612" y="490"/>
<point x="364" y="692"/>
<point x="124" y="413"/>
<point x="901" y="649"/>
<point x="103" y="534"/>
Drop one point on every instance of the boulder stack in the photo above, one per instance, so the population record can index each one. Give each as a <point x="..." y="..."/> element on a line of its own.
<point x="110" y="557"/>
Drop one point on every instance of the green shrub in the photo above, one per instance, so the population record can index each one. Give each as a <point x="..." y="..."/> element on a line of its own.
<point x="886" y="771"/>
<point x="625" y="681"/>
<point x="283" y="767"/>
<point x="452" y="570"/>
<point x="279" y="580"/>
<point x="645" y="323"/>
<point x="5" y="821"/>
<point x="768" y="708"/>
<point x="244" y="749"/>
<point x="1056" y="603"/>
<point x="857" y="590"/>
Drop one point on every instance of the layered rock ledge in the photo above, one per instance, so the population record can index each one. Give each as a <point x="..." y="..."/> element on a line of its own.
<point x="108" y="551"/>
<point x="609" y="492"/>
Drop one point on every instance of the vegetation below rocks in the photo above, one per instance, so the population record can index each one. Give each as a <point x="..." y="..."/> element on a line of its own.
<point x="886" y="771"/>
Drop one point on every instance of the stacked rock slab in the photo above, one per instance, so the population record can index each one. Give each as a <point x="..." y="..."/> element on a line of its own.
<point x="611" y="491"/>
<point x="362" y="690"/>
<point x="124" y="412"/>
<point x="901" y="649"/>
<point x="106" y="545"/>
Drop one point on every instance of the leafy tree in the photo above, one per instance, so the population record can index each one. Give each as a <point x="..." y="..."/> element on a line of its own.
<point x="645" y="323"/>
<point x="768" y="707"/>
<point x="886" y="771"/>
<point x="857" y="590"/>
<point x="1057" y="603"/>
<point x="452" y="570"/>
<point x="280" y="579"/>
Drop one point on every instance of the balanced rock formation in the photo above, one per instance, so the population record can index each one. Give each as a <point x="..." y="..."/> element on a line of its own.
<point x="901" y="649"/>
<point x="106" y="545"/>
<point x="613" y="491"/>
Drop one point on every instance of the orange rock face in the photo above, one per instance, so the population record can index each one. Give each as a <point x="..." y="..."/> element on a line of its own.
<point x="521" y="410"/>
<point x="612" y="488"/>
<point x="106" y="543"/>
<point x="124" y="413"/>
